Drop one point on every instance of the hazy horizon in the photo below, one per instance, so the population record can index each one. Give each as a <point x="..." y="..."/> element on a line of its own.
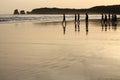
<point x="28" y="5"/>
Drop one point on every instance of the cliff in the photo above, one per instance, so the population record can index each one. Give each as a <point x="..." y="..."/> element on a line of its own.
<point x="56" y="11"/>
<point x="97" y="9"/>
<point x="105" y="9"/>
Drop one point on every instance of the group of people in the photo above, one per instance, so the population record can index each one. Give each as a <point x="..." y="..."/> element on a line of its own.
<point x="109" y="18"/>
<point x="77" y="18"/>
<point x="106" y="19"/>
<point x="76" y="21"/>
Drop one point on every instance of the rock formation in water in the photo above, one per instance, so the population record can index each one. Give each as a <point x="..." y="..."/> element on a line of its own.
<point x="16" y="11"/>
<point x="22" y="12"/>
<point x="27" y="12"/>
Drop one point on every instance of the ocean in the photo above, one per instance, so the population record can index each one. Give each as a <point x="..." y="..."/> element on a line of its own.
<point x="41" y="18"/>
<point x="41" y="47"/>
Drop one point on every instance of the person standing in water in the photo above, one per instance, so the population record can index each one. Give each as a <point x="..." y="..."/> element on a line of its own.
<point x="102" y="17"/>
<point x="64" y="24"/>
<point x="78" y="22"/>
<point x="86" y="19"/>
<point x="64" y="18"/>
<point x="109" y="17"/>
<point x="75" y="18"/>
<point x="105" y="20"/>
<point x="78" y="17"/>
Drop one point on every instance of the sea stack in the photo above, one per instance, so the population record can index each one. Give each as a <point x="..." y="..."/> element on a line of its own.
<point x="22" y="12"/>
<point x="27" y="12"/>
<point x="16" y="11"/>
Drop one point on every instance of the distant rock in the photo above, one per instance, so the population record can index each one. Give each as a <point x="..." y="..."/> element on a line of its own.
<point x="16" y="11"/>
<point x="22" y="12"/>
<point x="27" y="12"/>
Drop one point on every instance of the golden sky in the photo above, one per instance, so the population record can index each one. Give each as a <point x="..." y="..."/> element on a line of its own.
<point x="7" y="6"/>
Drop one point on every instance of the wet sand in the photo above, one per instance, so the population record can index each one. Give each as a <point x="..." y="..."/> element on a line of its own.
<point x="43" y="51"/>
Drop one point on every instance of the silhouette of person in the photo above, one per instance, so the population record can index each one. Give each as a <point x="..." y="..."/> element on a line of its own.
<point x="75" y="18"/>
<point x="109" y="16"/>
<point x="102" y="18"/>
<point x="114" y="22"/>
<point x="75" y="22"/>
<point x="78" y="22"/>
<point x="109" y="19"/>
<point x="104" y="24"/>
<point x="64" y="18"/>
<point x="86" y="19"/>
<point x="112" y="17"/>
<point x="78" y="17"/>
<point x="115" y="17"/>
<point x="64" y="24"/>
<point x="105" y="20"/>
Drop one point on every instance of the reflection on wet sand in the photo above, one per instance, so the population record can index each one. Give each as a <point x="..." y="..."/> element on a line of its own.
<point x="64" y="27"/>
<point x="77" y="22"/>
<point x="111" y="22"/>
<point x="114" y="26"/>
<point x="42" y="52"/>
<point x="110" y="25"/>
<point x="77" y="26"/>
<point x="86" y="28"/>
<point x="107" y="21"/>
<point x="86" y="19"/>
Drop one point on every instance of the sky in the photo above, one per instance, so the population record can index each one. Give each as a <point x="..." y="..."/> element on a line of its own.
<point x="8" y="6"/>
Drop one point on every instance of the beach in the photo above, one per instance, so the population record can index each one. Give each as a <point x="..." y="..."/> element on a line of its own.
<point x="37" y="50"/>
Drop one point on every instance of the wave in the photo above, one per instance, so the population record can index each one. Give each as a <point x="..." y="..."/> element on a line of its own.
<point x="41" y="18"/>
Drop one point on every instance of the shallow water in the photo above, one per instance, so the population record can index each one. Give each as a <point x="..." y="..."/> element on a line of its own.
<point x="44" y="51"/>
<point x="9" y="18"/>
